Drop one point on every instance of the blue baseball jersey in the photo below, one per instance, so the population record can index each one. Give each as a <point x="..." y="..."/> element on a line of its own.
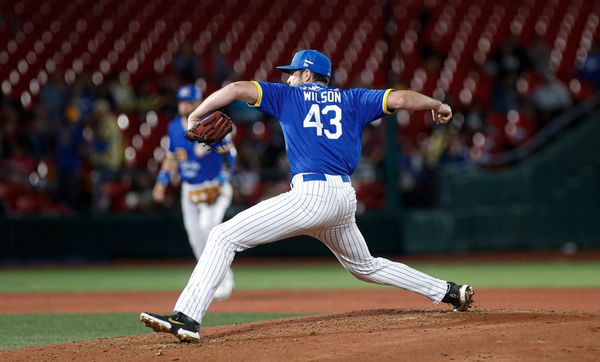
<point x="322" y="126"/>
<point x="196" y="161"/>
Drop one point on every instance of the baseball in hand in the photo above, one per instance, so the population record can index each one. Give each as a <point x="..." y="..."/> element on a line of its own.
<point x="442" y="115"/>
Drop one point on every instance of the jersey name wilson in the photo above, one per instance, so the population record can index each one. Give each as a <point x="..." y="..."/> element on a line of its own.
<point x="323" y="97"/>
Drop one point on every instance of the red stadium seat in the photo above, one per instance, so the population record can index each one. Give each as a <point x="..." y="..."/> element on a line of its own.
<point x="141" y="38"/>
<point x="10" y="193"/>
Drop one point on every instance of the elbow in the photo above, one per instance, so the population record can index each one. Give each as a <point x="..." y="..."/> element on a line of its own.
<point x="241" y="91"/>
<point x="245" y="91"/>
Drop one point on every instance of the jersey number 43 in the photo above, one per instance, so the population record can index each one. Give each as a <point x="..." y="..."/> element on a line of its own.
<point x="313" y="120"/>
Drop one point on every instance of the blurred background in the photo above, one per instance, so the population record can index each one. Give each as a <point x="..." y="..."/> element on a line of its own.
<point x="88" y="88"/>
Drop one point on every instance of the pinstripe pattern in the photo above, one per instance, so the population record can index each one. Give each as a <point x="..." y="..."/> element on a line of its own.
<point x="323" y="209"/>
<point x="200" y="218"/>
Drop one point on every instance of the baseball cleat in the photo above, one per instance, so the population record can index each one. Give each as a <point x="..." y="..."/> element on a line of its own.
<point x="180" y="325"/>
<point x="460" y="297"/>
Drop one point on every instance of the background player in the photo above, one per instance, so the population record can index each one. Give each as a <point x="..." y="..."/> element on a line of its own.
<point x="206" y="192"/>
<point x="322" y="127"/>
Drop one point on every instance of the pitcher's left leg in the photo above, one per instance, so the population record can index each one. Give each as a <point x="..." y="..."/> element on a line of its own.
<point x="274" y="219"/>
<point x="212" y="216"/>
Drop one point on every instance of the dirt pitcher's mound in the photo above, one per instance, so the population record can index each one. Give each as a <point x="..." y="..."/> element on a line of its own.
<point x="387" y="334"/>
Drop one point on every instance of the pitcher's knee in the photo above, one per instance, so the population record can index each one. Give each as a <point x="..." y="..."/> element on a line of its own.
<point x="362" y="270"/>
<point x="221" y="238"/>
<point x="218" y="236"/>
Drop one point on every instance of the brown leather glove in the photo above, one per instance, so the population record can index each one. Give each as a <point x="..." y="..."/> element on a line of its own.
<point x="211" y="129"/>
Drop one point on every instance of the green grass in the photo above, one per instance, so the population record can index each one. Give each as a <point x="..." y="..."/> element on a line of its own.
<point x="488" y="275"/>
<point x="40" y="329"/>
<point x="523" y="274"/>
<point x="18" y="331"/>
<point x="110" y="278"/>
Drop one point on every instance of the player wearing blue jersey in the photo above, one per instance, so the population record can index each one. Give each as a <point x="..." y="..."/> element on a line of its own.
<point x="204" y="172"/>
<point x="322" y="127"/>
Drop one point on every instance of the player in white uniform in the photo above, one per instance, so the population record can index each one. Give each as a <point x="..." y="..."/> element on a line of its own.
<point x="322" y="127"/>
<point x="205" y="191"/>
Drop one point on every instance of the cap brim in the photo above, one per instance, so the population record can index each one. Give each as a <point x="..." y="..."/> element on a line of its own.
<point x="287" y="68"/>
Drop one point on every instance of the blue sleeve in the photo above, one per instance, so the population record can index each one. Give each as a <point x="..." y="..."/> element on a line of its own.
<point x="371" y="104"/>
<point x="231" y="159"/>
<point x="171" y="138"/>
<point x="271" y="97"/>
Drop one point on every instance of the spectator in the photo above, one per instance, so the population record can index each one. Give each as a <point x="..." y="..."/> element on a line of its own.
<point x="139" y="196"/>
<point x="538" y="55"/>
<point x="69" y="142"/>
<point x="122" y="94"/>
<point x="187" y="64"/>
<point x="36" y="139"/>
<point x="221" y="69"/>
<point x="412" y="173"/>
<point x="3" y="143"/>
<point x="550" y="98"/>
<point x="82" y="97"/>
<point x="43" y="135"/>
<point x="20" y="163"/>
<point x="54" y="96"/>
<point x="8" y="130"/>
<point x="504" y="94"/>
<point x="474" y="118"/>
<point x="240" y="112"/>
<point x="590" y="71"/>
<point x="149" y="97"/>
<point x="371" y="166"/>
<point x="106" y="151"/>
<point x="456" y="152"/>
<point x="510" y="57"/>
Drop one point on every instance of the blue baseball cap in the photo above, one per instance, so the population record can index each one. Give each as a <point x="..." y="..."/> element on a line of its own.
<point x="309" y="59"/>
<point x="189" y="92"/>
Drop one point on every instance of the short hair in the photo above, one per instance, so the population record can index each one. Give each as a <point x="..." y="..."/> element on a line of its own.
<point x="320" y="78"/>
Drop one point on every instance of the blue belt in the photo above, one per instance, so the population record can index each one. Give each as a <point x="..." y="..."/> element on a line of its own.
<point x="321" y="177"/>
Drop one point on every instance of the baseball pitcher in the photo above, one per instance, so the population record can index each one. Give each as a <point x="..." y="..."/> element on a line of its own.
<point x="322" y="127"/>
<point x="205" y="188"/>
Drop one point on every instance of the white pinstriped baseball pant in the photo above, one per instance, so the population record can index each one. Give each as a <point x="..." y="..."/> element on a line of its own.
<point x="322" y="209"/>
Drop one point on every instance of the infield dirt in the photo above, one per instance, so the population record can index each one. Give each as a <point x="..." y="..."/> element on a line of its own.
<point x="551" y="324"/>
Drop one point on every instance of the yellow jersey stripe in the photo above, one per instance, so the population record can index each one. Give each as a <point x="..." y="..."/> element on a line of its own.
<point x="259" y="99"/>
<point x="385" y="99"/>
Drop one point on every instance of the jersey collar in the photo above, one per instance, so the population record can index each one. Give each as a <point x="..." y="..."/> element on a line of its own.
<point x="311" y="85"/>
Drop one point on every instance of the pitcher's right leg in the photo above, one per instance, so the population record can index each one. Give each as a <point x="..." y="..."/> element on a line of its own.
<point x="349" y="246"/>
